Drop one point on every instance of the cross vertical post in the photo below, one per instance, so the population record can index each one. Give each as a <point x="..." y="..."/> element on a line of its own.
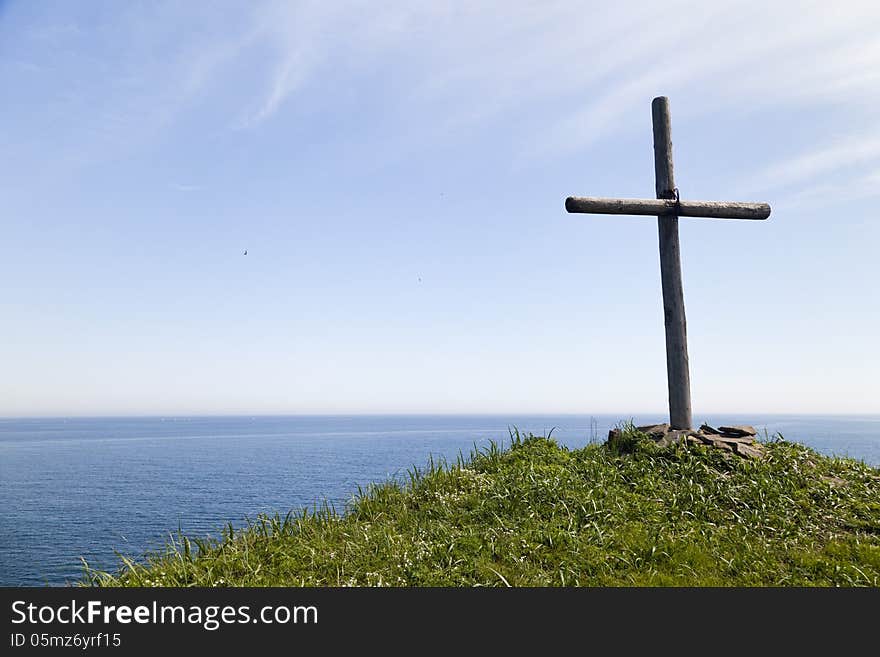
<point x="677" y="370"/>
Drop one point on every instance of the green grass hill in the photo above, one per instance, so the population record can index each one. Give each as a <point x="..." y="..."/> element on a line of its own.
<point x="537" y="514"/>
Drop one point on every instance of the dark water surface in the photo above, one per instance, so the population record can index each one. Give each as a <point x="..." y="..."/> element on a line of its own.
<point x="90" y="487"/>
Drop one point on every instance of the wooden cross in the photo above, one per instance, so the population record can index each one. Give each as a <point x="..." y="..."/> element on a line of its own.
<point x="668" y="209"/>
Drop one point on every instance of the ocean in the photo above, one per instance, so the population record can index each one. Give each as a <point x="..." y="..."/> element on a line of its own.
<point x="94" y="488"/>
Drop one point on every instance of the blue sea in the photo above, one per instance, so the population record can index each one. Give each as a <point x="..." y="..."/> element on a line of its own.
<point x="92" y="488"/>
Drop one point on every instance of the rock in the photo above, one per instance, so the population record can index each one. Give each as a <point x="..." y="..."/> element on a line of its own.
<point x="736" y="440"/>
<point x="721" y="444"/>
<point x="746" y="440"/>
<point x="738" y="430"/>
<point x="654" y="430"/>
<point x="672" y="437"/>
<point x="753" y="451"/>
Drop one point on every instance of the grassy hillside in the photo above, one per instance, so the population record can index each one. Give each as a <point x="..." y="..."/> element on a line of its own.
<point x="537" y="514"/>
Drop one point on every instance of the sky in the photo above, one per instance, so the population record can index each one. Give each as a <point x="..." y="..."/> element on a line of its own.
<point x="396" y="172"/>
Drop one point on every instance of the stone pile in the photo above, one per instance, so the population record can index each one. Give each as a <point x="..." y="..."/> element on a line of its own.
<point x="738" y="440"/>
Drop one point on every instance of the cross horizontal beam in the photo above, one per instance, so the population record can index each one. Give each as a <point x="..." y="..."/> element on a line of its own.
<point x="662" y="206"/>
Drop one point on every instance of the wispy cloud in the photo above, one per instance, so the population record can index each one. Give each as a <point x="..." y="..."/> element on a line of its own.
<point x="570" y="73"/>
<point x="852" y="151"/>
<point x="116" y="82"/>
<point x="819" y="194"/>
<point x="309" y="38"/>
<point x="742" y="56"/>
<point x="295" y="32"/>
<point x="586" y="70"/>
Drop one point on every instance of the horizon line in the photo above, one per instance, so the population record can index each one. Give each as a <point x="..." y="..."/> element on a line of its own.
<point x="422" y="414"/>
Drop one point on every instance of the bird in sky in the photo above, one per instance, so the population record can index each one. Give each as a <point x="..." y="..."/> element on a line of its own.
<point x="245" y="251"/>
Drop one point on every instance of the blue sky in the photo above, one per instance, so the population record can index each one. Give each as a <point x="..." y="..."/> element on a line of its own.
<point x="396" y="172"/>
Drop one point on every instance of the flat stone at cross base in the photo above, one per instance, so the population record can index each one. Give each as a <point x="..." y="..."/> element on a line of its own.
<point x="738" y="440"/>
<point x="742" y="430"/>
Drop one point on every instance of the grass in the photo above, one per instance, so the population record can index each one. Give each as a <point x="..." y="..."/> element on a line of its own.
<point x="538" y="514"/>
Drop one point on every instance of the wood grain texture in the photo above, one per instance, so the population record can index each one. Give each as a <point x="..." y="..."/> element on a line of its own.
<point x="677" y="368"/>
<point x="663" y="207"/>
